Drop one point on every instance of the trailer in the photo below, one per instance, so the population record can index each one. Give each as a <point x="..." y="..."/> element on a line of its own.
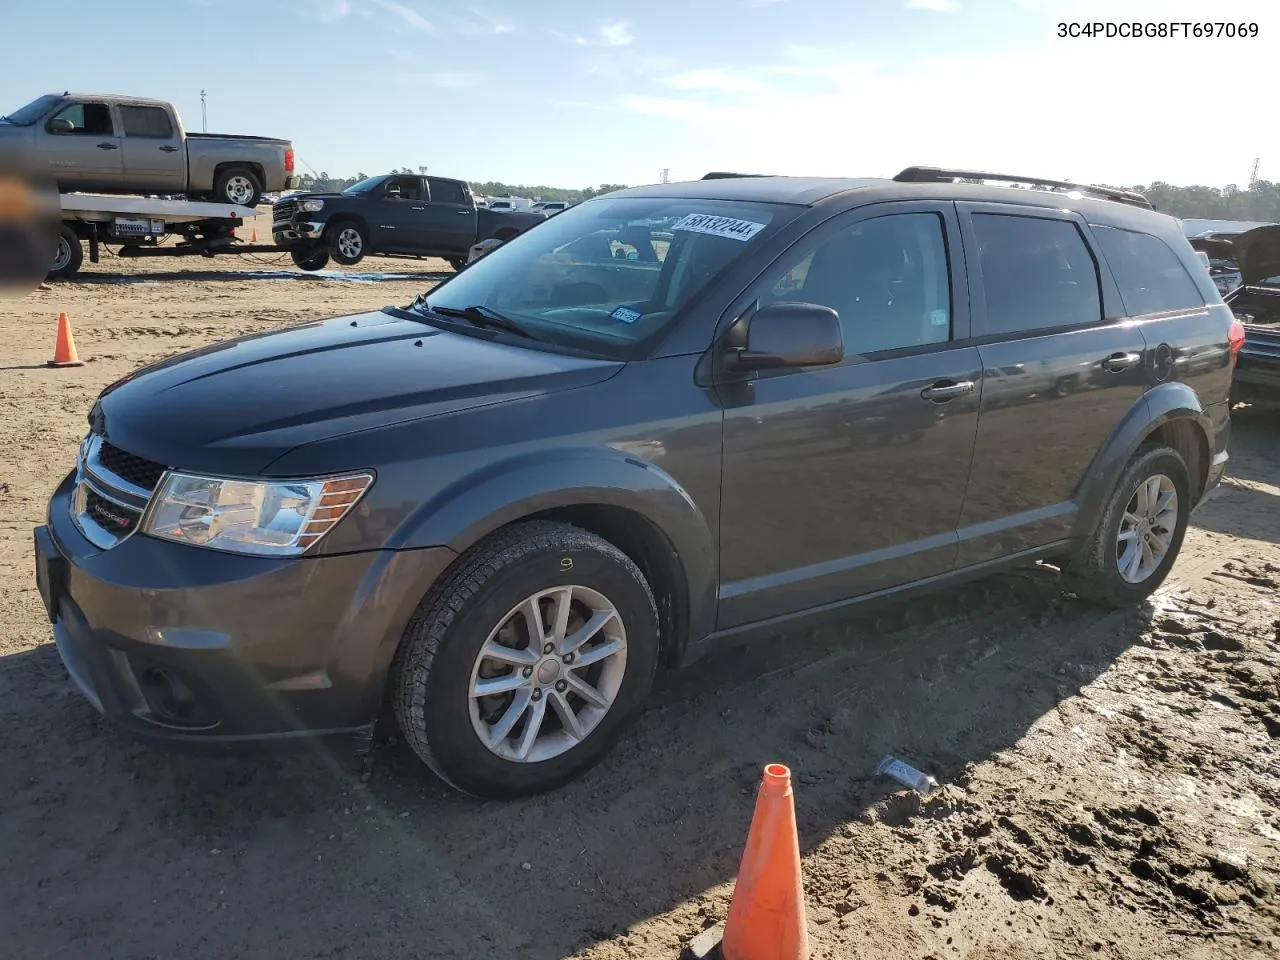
<point x="140" y="225"/>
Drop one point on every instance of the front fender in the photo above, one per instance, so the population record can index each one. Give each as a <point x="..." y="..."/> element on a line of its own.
<point x="1160" y="405"/>
<point x="466" y="511"/>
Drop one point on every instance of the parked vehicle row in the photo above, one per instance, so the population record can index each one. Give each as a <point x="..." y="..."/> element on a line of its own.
<point x="668" y="418"/>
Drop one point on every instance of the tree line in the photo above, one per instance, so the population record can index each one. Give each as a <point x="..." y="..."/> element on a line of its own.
<point x="1260" y="200"/>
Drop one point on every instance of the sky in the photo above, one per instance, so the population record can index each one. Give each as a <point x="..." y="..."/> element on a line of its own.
<point x="575" y="93"/>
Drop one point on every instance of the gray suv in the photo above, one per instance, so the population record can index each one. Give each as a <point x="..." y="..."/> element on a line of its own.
<point x="669" y="417"/>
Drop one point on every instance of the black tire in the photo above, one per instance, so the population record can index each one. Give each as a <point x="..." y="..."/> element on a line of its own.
<point x="457" y="263"/>
<point x="68" y="256"/>
<point x="234" y="183"/>
<point x="1094" y="574"/>
<point x="432" y="675"/>
<point x="309" y="258"/>
<point x="335" y="232"/>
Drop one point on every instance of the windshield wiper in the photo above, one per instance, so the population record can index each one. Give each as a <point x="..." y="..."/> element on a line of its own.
<point x="484" y="317"/>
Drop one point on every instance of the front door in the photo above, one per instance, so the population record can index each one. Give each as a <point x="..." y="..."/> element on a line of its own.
<point x="152" y="149"/>
<point x="397" y="219"/>
<point x="82" y="146"/>
<point x="847" y="480"/>
<point x="1061" y="366"/>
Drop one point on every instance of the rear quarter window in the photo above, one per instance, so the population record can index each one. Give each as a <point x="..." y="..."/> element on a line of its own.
<point x="1151" y="277"/>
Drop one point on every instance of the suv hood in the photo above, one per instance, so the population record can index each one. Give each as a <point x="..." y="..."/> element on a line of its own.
<point x="1255" y="252"/>
<point x="236" y="406"/>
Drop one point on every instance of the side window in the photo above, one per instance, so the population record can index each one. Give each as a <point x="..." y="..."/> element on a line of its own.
<point x="887" y="278"/>
<point x="150" y="122"/>
<point x="90" y="119"/>
<point x="1151" y="277"/>
<point x="409" y="188"/>
<point x="446" y="191"/>
<point x="1037" y="274"/>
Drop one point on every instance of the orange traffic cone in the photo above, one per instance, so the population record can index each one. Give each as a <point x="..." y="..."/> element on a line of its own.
<point x="766" y="915"/>
<point x="254" y="238"/>
<point x="64" y="351"/>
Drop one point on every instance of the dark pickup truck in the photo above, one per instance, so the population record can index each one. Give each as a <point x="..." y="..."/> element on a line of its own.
<point x="1256" y="303"/>
<point x="390" y="215"/>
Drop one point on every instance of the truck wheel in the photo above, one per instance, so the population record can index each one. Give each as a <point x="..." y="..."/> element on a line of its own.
<point x="309" y="258"/>
<point x="238" y="185"/>
<point x="346" y="242"/>
<point x="522" y="667"/>
<point x="457" y="263"/>
<point x="1139" y="534"/>
<point x="69" y="254"/>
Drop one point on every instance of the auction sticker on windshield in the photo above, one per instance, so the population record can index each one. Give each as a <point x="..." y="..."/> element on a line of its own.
<point x="729" y="227"/>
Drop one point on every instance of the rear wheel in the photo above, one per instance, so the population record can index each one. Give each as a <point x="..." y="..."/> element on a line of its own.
<point x="309" y="258"/>
<point x="238" y="185"/>
<point x="524" y="665"/>
<point x="457" y="263"/>
<point x="1137" y="540"/>
<point x="68" y="255"/>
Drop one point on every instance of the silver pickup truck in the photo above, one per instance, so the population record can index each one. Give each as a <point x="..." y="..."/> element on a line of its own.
<point x="130" y="145"/>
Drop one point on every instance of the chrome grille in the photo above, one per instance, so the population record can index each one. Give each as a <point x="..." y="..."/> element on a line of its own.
<point x="284" y="210"/>
<point x="112" y="490"/>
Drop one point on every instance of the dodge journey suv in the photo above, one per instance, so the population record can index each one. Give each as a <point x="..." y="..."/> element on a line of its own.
<point x="668" y="417"/>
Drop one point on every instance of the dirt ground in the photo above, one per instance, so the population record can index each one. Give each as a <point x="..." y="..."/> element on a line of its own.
<point x="1111" y="781"/>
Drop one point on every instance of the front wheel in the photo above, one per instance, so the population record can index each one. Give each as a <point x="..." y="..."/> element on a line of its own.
<point x="347" y="243"/>
<point x="309" y="258"/>
<point x="1137" y="540"/>
<point x="68" y="255"/>
<point x="524" y="665"/>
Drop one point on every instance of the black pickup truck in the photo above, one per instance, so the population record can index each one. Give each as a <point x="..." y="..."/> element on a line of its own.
<point x="390" y="215"/>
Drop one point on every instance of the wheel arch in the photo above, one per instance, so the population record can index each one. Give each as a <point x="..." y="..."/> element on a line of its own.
<point x="1170" y="414"/>
<point x="252" y="166"/>
<point x="634" y="505"/>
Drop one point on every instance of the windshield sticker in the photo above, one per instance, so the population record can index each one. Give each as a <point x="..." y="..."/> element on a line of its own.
<point x="625" y="315"/>
<point x="728" y="227"/>
<point x="938" y="318"/>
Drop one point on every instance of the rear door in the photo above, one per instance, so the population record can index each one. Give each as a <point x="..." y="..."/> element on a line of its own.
<point x="450" y="219"/>
<point x="846" y="480"/>
<point x="152" y="149"/>
<point x="1061" y="366"/>
<point x="87" y="156"/>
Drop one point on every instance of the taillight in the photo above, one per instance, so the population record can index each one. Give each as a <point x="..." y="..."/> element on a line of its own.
<point x="1235" y="338"/>
<point x="288" y="160"/>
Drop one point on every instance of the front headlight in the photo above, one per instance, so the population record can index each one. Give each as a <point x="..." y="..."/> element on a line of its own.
<point x="311" y="206"/>
<point x="278" y="518"/>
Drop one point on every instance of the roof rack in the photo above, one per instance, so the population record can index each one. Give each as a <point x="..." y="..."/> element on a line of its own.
<point x="937" y="175"/>
<point x="722" y="175"/>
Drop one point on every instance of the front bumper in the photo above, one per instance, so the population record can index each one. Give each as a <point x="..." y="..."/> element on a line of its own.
<point x="185" y="646"/>
<point x="294" y="231"/>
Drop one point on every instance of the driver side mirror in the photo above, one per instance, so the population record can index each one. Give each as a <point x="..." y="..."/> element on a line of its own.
<point x="61" y="125"/>
<point x="789" y="334"/>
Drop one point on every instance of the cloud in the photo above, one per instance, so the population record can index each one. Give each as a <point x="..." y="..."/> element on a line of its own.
<point x="480" y="23"/>
<point x="334" y="10"/>
<point x="938" y="6"/>
<point x="616" y="34"/>
<point x="715" y="79"/>
<point x="409" y="16"/>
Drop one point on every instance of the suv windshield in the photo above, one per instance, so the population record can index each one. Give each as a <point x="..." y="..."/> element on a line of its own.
<point x="609" y="274"/>
<point x="26" y="116"/>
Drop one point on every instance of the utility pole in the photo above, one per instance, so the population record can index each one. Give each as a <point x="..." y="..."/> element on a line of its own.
<point x="1253" y="176"/>
<point x="204" y="113"/>
<point x="666" y="174"/>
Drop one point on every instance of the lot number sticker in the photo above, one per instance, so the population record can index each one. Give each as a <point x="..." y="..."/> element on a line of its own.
<point x="728" y="227"/>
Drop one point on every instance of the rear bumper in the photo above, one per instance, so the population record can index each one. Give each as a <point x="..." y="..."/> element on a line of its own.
<point x="194" y="648"/>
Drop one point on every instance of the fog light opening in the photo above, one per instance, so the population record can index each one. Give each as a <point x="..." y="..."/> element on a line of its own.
<point x="166" y="695"/>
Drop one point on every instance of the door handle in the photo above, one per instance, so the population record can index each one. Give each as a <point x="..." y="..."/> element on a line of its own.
<point x="417" y="208"/>
<point x="108" y="146"/>
<point x="462" y="213"/>
<point x="168" y="149"/>
<point x="1119" y="362"/>
<point x="945" y="390"/>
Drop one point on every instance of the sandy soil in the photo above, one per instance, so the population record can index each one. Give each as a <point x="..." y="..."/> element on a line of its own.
<point x="1111" y="781"/>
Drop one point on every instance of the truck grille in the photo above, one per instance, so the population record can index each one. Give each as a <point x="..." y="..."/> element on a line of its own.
<point x="113" y="488"/>
<point x="284" y="210"/>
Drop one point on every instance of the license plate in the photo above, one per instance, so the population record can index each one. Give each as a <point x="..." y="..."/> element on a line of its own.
<point x="50" y="573"/>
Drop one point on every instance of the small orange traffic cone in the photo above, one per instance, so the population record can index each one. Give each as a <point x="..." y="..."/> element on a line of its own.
<point x="64" y="351"/>
<point x="254" y="238"/>
<point x="766" y="915"/>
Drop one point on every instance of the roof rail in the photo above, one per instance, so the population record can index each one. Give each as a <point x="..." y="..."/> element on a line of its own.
<point x="937" y="175"/>
<point x="722" y="175"/>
